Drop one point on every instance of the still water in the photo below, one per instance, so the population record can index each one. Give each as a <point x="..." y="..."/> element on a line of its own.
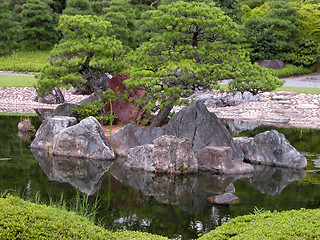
<point x="173" y="206"/>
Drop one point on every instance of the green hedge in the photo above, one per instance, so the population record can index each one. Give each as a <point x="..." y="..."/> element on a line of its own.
<point x="20" y="219"/>
<point x="294" y="224"/>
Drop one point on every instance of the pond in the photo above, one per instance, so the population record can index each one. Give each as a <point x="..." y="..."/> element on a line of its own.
<point x="173" y="206"/>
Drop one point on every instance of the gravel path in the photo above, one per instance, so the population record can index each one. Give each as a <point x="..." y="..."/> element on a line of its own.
<point x="283" y="108"/>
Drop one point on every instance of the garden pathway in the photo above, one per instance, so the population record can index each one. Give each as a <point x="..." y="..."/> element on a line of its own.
<point x="282" y="108"/>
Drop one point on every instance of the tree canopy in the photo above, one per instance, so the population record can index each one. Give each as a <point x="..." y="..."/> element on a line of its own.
<point x="84" y="54"/>
<point x="197" y="47"/>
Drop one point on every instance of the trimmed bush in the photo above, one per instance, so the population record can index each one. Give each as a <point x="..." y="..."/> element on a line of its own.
<point x="294" y="224"/>
<point x="20" y="219"/>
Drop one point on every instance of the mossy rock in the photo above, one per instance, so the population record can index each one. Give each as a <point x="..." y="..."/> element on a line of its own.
<point x="20" y="219"/>
<point x="294" y="224"/>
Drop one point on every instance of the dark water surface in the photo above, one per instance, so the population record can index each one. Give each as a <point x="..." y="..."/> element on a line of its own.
<point x="173" y="206"/>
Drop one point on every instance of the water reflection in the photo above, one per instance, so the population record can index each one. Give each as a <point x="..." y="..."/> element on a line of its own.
<point x="272" y="180"/>
<point x="190" y="193"/>
<point x="83" y="174"/>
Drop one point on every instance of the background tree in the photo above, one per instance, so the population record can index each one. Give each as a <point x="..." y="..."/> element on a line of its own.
<point x="83" y="55"/>
<point x="78" y="7"/>
<point x="121" y="14"/>
<point x="9" y="29"/>
<point x="197" y="48"/>
<point x="273" y="34"/>
<point x="37" y="23"/>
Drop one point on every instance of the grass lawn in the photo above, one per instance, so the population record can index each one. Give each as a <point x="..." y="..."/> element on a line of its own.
<point x="24" y="61"/>
<point x="17" y="81"/>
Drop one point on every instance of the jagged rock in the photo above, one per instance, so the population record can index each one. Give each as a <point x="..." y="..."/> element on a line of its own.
<point x="237" y="98"/>
<point x="62" y="136"/>
<point x="49" y="129"/>
<point x="271" y="64"/>
<point x="131" y="136"/>
<point x="65" y="109"/>
<point x="272" y="148"/>
<point x="167" y="154"/>
<point x="202" y="128"/>
<point x="85" y="140"/>
<point x="232" y="99"/>
<point x="55" y="96"/>
<point x="219" y="160"/>
<point x="238" y="126"/>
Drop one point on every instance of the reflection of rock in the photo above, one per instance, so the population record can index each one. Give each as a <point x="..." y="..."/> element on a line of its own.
<point x="83" y="174"/>
<point x="202" y="128"/>
<point x="272" y="180"/>
<point x="273" y="149"/>
<point x="238" y="126"/>
<point x="189" y="192"/>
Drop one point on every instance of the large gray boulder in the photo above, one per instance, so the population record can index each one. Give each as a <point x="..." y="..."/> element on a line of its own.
<point x="66" y="109"/>
<point x="64" y="137"/>
<point x="131" y="136"/>
<point x="85" y="140"/>
<point x="219" y="160"/>
<point x="167" y="154"/>
<point x="49" y="129"/>
<point x="202" y="128"/>
<point x="271" y="64"/>
<point x="273" y="149"/>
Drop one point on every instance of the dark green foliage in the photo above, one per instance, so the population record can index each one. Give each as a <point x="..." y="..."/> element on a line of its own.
<point x="255" y="80"/>
<point x="121" y="14"/>
<point x="274" y="35"/>
<point x="9" y="29"/>
<point x="196" y="48"/>
<point x="98" y="6"/>
<point x="84" y="54"/>
<point x="37" y="23"/>
<point x="261" y="38"/>
<point x="307" y="53"/>
<point x="78" y="7"/>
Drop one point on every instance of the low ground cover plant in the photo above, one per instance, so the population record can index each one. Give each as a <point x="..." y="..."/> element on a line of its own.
<point x="21" y="219"/>
<point x="294" y="224"/>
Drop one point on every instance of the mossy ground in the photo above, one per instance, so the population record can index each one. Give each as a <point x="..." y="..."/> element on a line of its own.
<point x="21" y="219"/>
<point x="294" y="224"/>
